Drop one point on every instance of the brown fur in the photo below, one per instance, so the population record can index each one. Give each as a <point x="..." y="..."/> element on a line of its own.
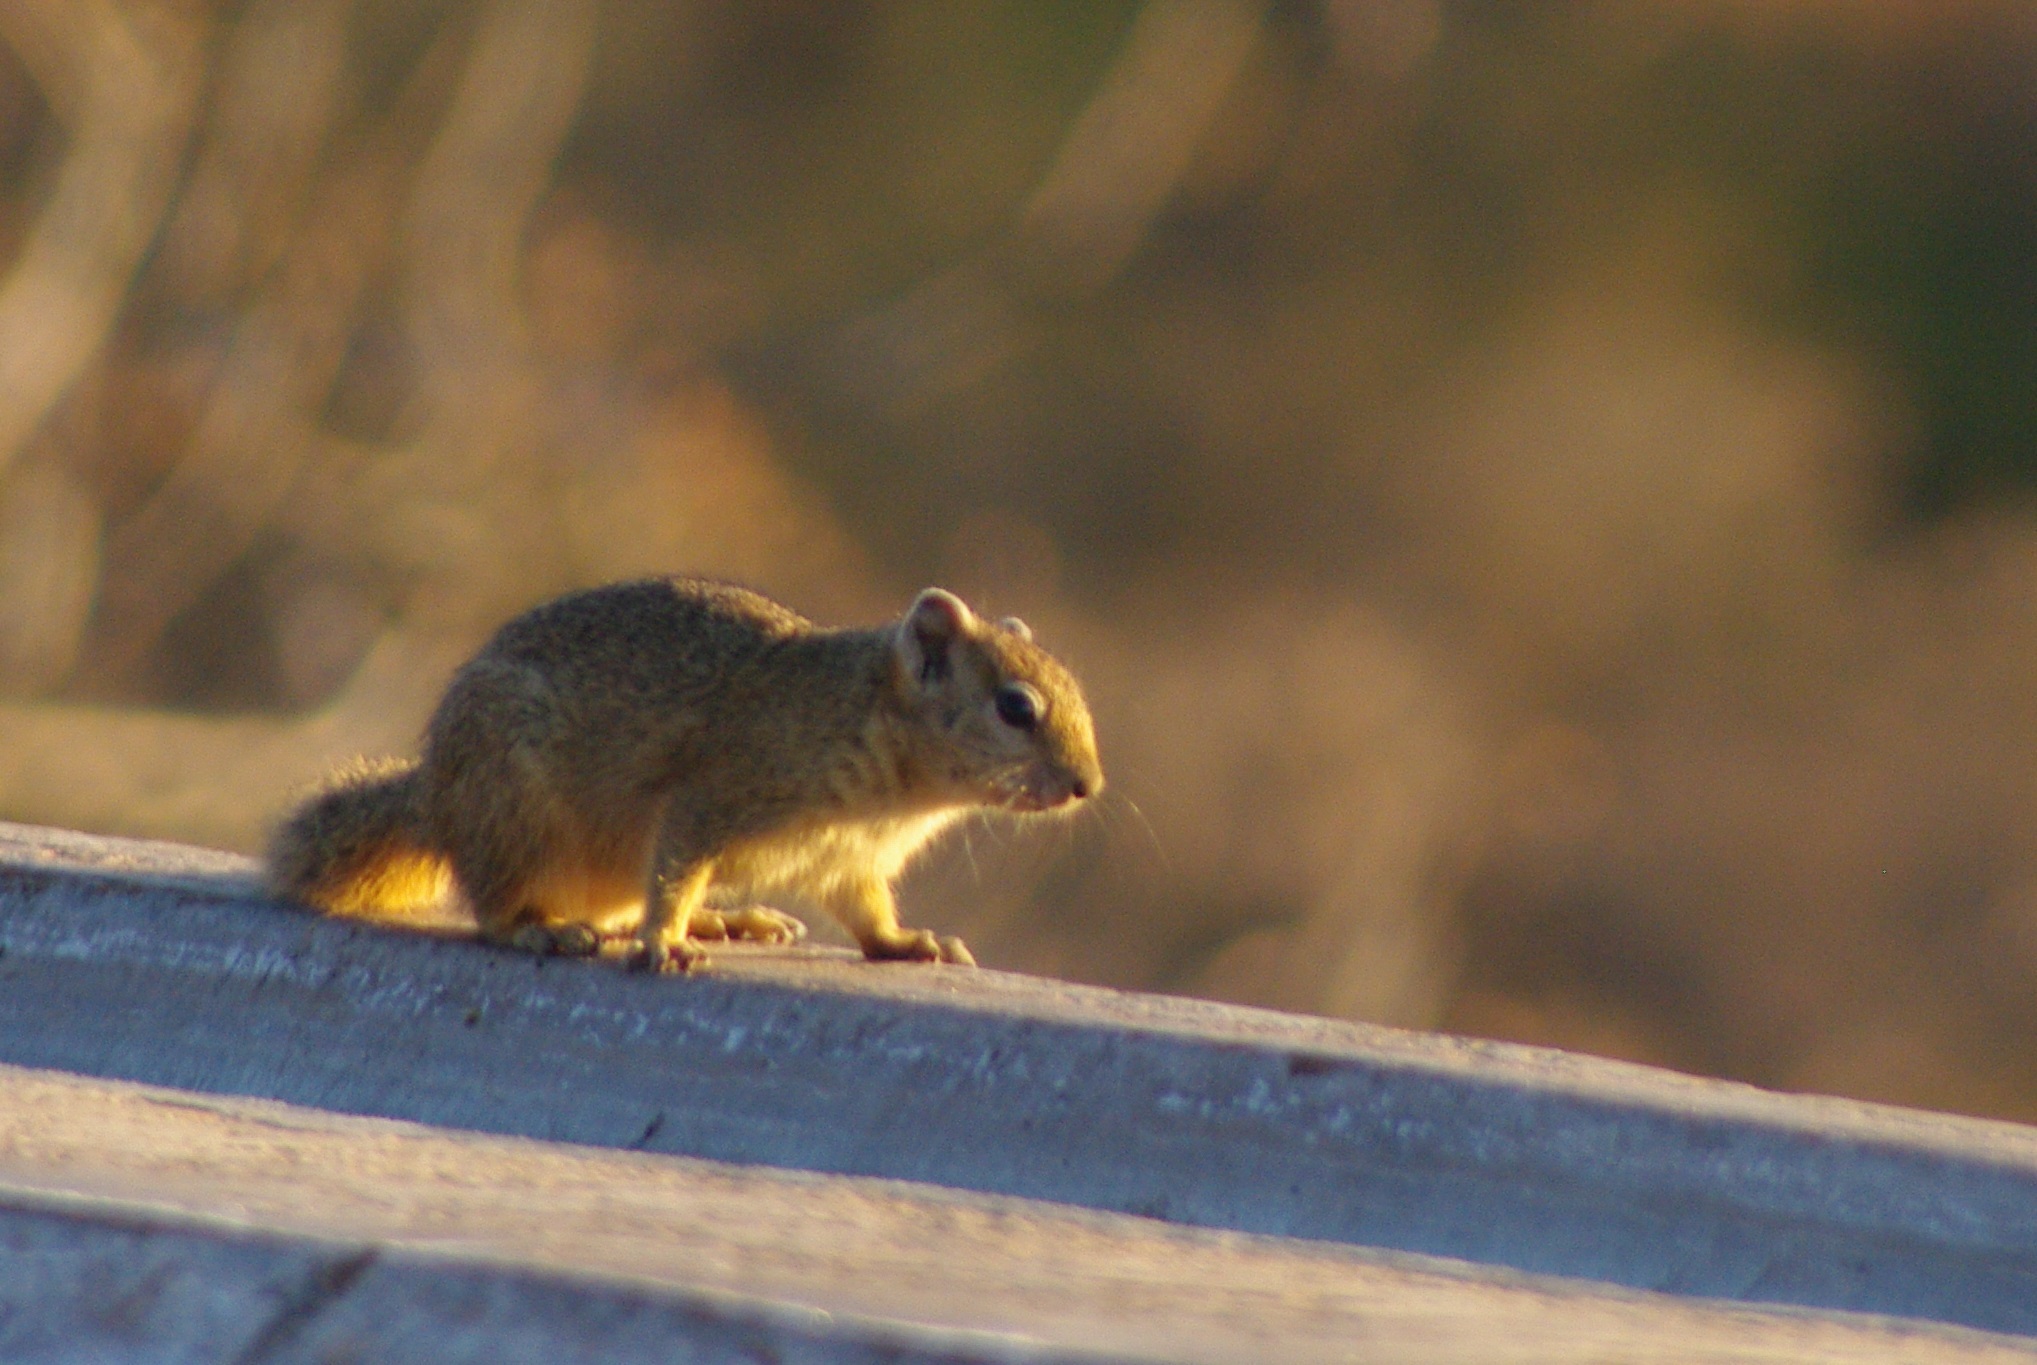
<point x="612" y="758"/>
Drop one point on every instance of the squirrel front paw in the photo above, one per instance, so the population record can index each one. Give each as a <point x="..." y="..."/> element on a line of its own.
<point x="921" y="945"/>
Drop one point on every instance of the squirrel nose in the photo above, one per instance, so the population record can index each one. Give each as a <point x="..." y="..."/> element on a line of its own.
<point x="1078" y="789"/>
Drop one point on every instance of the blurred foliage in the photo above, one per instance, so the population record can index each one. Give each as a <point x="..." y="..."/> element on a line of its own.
<point x="1539" y="491"/>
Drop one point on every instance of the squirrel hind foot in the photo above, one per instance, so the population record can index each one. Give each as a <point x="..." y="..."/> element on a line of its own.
<point x="555" y="940"/>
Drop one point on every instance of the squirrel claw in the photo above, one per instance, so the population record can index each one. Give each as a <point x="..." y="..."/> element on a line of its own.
<point x="956" y="952"/>
<point x="665" y="958"/>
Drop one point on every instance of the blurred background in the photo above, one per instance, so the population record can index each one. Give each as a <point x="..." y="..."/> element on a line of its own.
<point x="1541" y="493"/>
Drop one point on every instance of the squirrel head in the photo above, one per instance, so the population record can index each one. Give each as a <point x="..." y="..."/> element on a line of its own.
<point x="1011" y="720"/>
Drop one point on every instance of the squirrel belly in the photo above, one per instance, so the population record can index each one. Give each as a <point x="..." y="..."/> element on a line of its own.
<point x="615" y="759"/>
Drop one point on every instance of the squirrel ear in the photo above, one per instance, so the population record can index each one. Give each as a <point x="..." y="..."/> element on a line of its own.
<point x="936" y="619"/>
<point x="1017" y="627"/>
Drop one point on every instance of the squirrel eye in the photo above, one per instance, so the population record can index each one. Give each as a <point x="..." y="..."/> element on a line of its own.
<point x="1019" y="705"/>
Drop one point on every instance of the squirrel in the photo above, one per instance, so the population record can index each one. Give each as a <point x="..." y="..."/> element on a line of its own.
<point x="611" y="759"/>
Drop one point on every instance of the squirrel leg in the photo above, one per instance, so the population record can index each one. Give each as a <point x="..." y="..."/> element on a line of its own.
<point x="498" y="890"/>
<point x="485" y="801"/>
<point x="508" y="919"/>
<point x="676" y="891"/>
<point x="691" y="834"/>
<point x="866" y="909"/>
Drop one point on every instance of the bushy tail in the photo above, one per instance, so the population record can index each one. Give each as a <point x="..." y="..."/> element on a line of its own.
<point x="357" y="847"/>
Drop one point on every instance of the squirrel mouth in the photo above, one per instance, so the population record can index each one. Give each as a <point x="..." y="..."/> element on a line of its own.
<point x="1038" y="797"/>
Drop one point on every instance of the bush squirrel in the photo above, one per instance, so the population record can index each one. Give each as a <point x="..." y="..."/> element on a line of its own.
<point x="611" y="758"/>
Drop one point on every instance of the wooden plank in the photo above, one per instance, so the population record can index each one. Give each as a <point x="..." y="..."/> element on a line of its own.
<point x="149" y="1224"/>
<point x="158" y="964"/>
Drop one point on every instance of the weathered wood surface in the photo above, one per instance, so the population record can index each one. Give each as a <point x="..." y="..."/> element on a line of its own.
<point x="164" y="965"/>
<point x="192" y="1228"/>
